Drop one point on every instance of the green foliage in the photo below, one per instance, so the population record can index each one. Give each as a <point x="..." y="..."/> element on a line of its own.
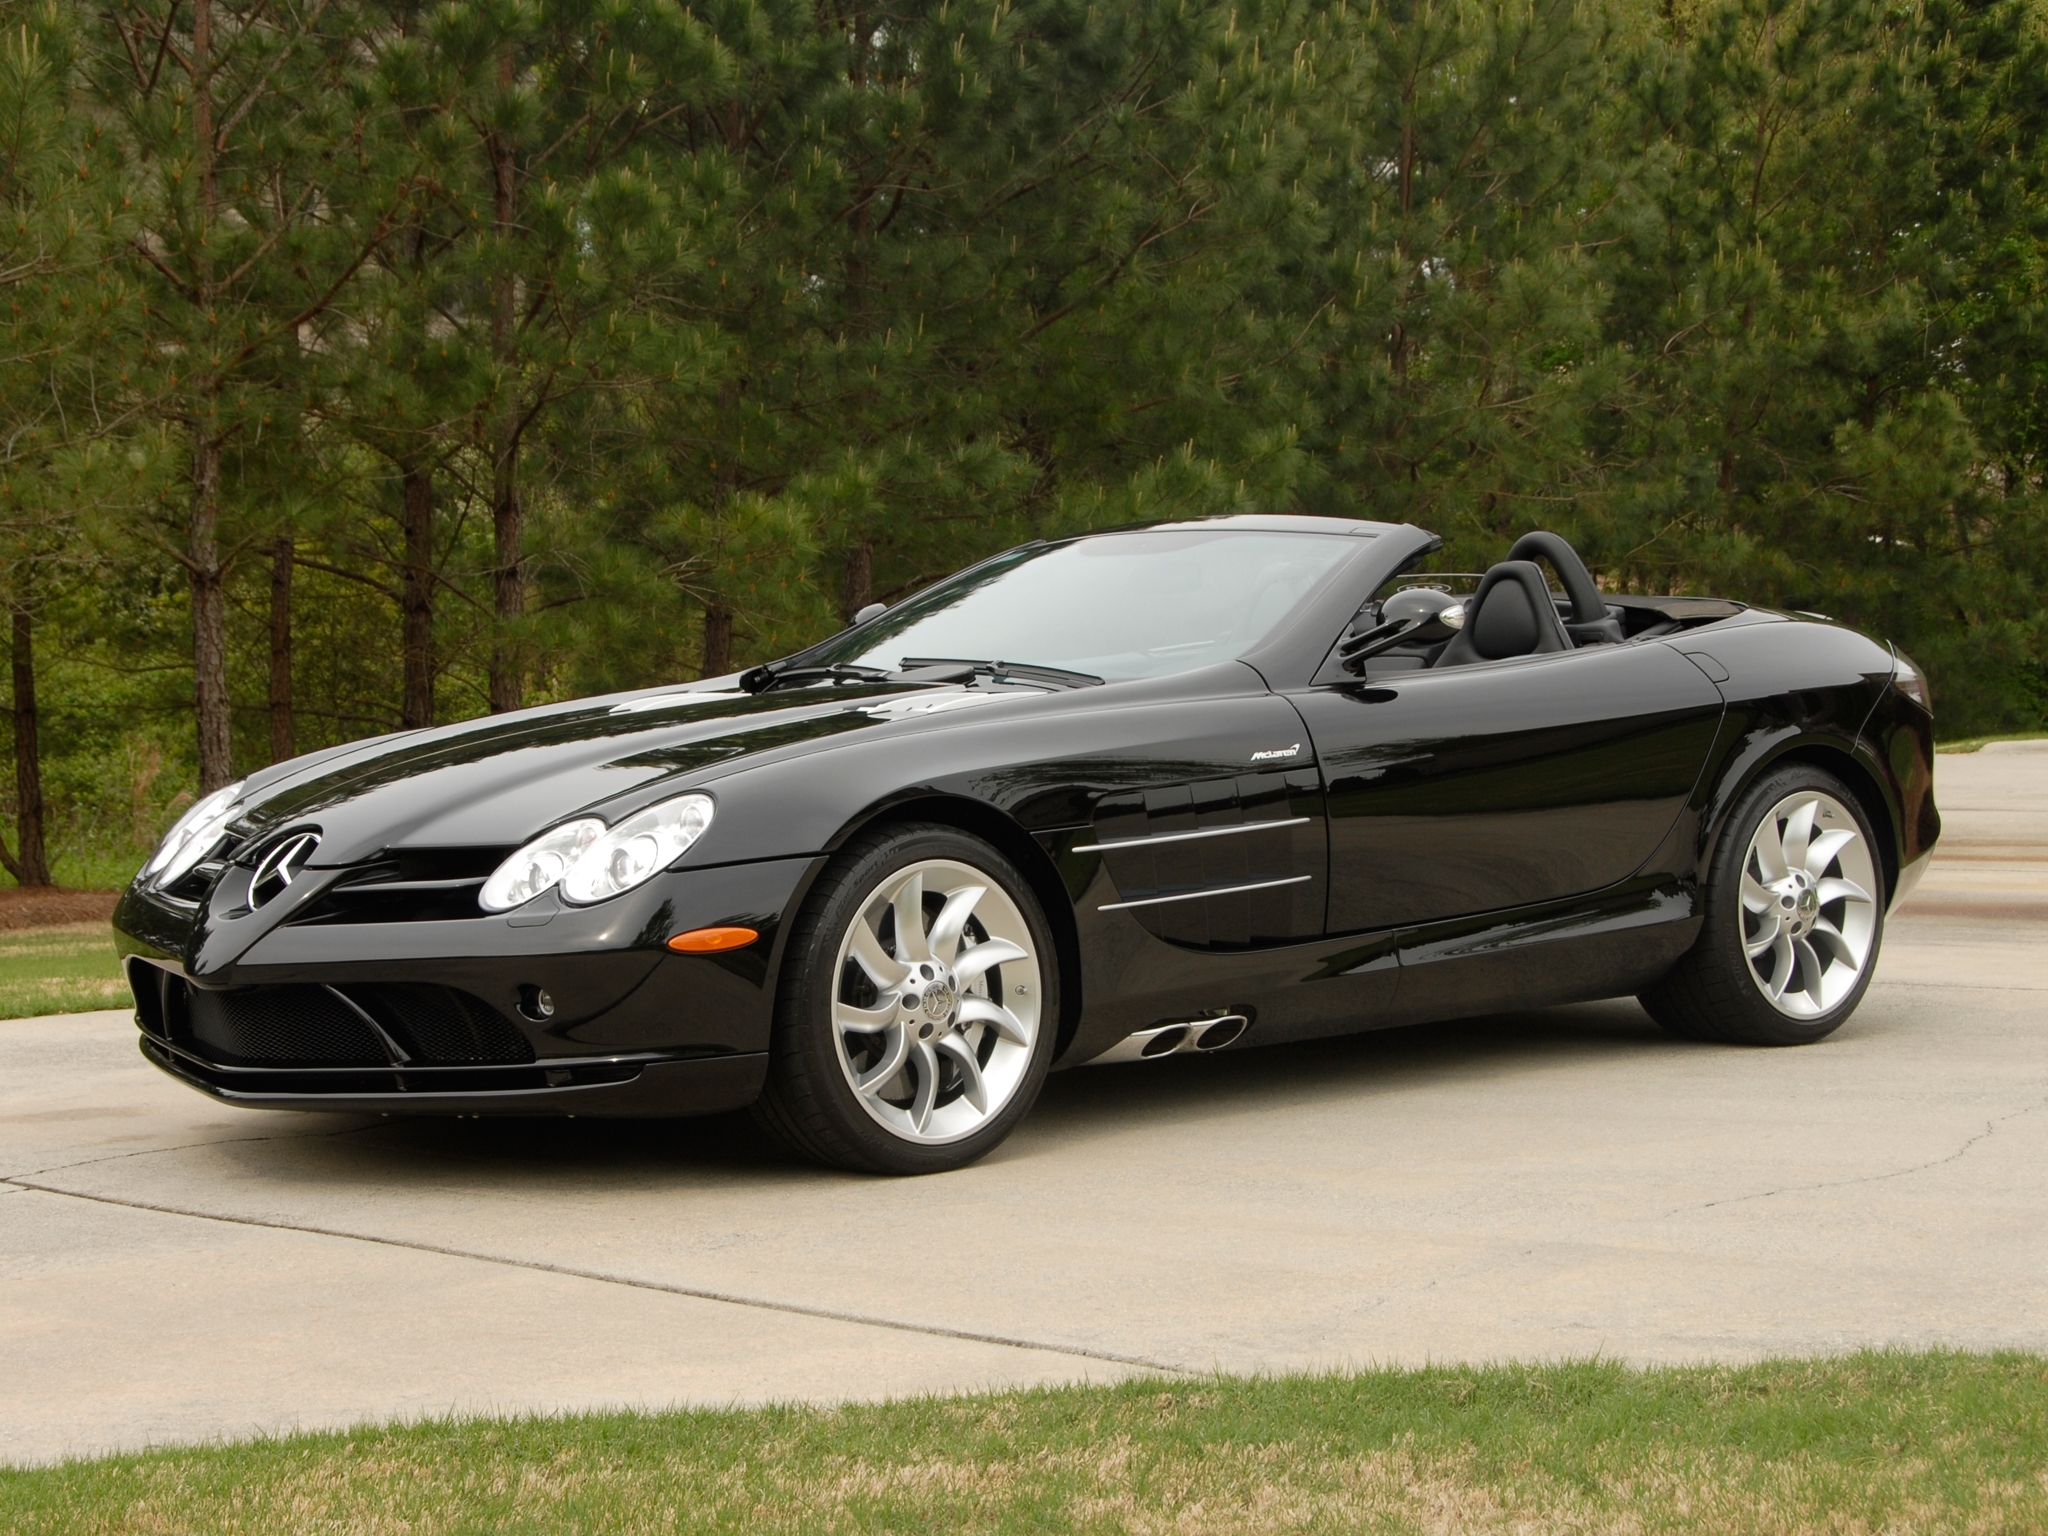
<point x="580" y="345"/>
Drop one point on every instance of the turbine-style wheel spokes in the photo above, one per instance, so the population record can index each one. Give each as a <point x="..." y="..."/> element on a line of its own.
<point x="1807" y="908"/>
<point x="936" y="1007"/>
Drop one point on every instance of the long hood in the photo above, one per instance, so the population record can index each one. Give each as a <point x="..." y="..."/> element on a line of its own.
<point x="502" y="780"/>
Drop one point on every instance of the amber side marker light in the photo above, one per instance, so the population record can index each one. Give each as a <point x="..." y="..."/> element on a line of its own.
<point x="709" y="941"/>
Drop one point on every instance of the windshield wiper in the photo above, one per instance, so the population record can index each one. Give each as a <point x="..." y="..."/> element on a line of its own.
<point x="835" y="672"/>
<point x="1003" y="671"/>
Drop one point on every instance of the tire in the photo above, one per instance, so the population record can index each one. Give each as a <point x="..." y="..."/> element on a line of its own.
<point x="1786" y="950"/>
<point x="965" y="1032"/>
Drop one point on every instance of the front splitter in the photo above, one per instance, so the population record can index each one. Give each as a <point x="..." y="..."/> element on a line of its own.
<point x="655" y="1089"/>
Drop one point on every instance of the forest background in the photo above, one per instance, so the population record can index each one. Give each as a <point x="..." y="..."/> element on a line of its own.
<point x="370" y="364"/>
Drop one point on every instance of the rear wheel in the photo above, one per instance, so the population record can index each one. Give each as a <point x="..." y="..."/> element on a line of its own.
<point x="918" y="1010"/>
<point x="1794" y="913"/>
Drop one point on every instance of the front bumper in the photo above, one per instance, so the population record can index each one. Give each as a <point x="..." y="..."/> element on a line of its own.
<point x="579" y="1012"/>
<point x="610" y="1087"/>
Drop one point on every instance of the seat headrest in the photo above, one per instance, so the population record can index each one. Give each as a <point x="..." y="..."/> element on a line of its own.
<point x="1510" y="615"/>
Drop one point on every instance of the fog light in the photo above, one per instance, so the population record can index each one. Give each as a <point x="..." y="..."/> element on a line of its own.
<point x="535" y="1003"/>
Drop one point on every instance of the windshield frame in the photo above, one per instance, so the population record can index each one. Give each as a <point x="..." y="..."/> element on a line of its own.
<point x="1366" y="535"/>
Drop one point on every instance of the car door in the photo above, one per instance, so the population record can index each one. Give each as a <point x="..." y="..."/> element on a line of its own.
<point x="1477" y="788"/>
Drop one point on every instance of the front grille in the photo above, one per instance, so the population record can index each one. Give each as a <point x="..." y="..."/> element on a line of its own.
<point x="415" y="886"/>
<point x="301" y="1025"/>
<point x="441" y="1024"/>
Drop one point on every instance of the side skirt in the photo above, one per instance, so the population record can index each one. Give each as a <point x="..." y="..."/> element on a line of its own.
<point x="1608" y="944"/>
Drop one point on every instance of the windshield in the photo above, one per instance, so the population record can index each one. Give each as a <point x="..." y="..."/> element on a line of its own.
<point x="1118" y="605"/>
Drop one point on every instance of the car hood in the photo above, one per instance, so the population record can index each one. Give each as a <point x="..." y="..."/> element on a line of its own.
<point x="502" y="780"/>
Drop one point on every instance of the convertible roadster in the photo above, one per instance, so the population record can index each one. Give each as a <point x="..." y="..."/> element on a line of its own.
<point x="1193" y="786"/>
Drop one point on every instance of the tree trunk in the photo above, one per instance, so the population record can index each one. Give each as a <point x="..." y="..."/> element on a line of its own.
<point x="32" y="864"/>
<point x="209" y="615"/>
<point x="859" y="589"/>
<point x="717" y="641"/>
<point x="283" y="732"/>
<point x="508" y="580"/>
<point x="209" y="600"/>
<point x="417" y="601"/>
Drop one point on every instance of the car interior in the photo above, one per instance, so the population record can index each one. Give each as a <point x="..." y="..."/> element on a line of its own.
<point x="1459" y="618"/>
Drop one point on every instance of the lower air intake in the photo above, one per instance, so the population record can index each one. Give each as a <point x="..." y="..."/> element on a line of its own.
<point x="301" y="1026"/>
<point x="442" y="1025"/>
<point x="315" y="1026"/>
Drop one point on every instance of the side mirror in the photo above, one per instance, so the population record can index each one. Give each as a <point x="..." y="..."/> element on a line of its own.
<point x="872" y="611"/>
<point x="1415" y="613"/>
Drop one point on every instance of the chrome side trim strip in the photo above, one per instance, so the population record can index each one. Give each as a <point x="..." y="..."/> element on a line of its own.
<point x="1221" y="890"/>
<point x="1189" y="837"/>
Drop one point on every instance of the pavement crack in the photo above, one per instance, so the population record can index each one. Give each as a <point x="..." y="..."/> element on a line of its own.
<point x="183" y="1146"/>
<point x="1990" y="1126"/>
<point x="698" y="1293"/>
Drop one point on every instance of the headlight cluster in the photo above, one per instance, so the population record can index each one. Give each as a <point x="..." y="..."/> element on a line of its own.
<point x="591" y="862"/>
<point x="192" y="836"/>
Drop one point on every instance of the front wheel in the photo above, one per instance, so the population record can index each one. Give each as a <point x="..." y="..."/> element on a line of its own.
<point x="918" y="1008"/>
<point x="1794" y="912"/>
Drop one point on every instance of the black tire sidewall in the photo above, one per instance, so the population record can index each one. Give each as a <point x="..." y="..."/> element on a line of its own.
<point x="804" y="1058"/>
<point x="1720" y="939"/>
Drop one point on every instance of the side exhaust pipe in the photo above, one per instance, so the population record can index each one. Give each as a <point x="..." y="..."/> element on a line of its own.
<point x="1163" y="1040"/>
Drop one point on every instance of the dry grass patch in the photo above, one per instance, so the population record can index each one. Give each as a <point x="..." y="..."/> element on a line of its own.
<point x="60" y="968"/>
<point x="1867" y="1444"/>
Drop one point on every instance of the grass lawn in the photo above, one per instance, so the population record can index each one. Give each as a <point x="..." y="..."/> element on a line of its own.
<point x="65" y="969"/>
<point x="1977" y="743"/>
<point x="1868" y="1443"/>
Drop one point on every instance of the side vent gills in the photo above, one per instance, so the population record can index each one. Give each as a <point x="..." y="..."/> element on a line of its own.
<point x="1162" y="1040"/>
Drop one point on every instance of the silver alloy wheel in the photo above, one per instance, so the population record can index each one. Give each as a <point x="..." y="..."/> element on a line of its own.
<point x="1809" y="912"/>
<point x="935" y="1007"/>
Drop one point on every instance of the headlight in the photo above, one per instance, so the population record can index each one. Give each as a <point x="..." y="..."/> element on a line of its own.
<point x="537" y="866"/>
<point x="591" y="863"/>
<point x="1911" y="681"/>
<point x="637" y="849"/>
<point x="192" y="835"/>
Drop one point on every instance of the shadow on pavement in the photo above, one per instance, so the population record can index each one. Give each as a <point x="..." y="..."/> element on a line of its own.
<point x="1075" y="1106"/>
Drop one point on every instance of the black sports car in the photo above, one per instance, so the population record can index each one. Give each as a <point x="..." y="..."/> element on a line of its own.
<point x="1188" y="787"/>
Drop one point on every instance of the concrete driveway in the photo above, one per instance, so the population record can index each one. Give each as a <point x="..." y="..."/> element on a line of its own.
<point x="1564" y="1183"/>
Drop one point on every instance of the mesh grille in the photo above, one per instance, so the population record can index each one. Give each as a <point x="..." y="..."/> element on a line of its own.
<point x="305" y="1026"/>
<point x="441" y="1024"/>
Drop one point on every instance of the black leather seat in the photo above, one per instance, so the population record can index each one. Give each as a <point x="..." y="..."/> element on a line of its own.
<point x="1510" y="615"/>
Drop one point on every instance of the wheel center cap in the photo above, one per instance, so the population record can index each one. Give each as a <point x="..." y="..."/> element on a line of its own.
<point x="939" y="1000"/>
<point x="1798" y="904"/>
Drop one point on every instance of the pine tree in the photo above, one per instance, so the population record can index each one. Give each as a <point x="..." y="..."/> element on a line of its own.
<point x="1797" y="297"/>
<point x="248" y="126"/>
<point x="1456" y="345"/>
<point x="58" y="407"/>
